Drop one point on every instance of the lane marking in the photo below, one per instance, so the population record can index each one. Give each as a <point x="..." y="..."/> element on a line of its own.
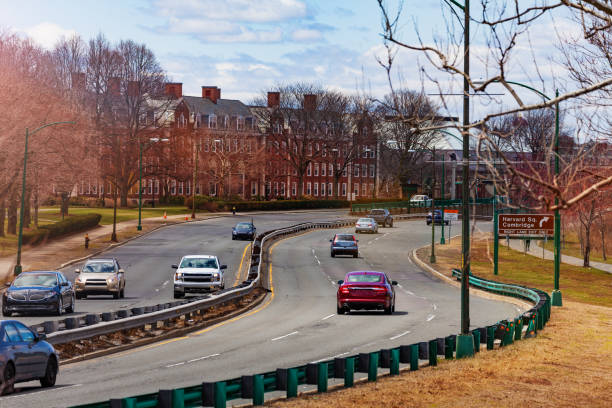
<point x="240" y="267"/>
<point x="203" y="358"/>
<point x="165" y="283"/>
<point x="341" y="354"/>
<point x="435" y="307"/>
<point x="399" y="335"/>
<point x="431" y="317"/>
<point x="56" y="389"/>
<point x="286" y="335"/>
<point x="174" y="365"/>
<point x="327" y="317"/>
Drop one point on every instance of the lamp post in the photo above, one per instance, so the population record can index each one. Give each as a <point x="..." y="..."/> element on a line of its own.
<point x="442" y="241"/>
<point x="196" y="149"/>
<point x="432" y="256"/>
<point x="141" y="146"/>
<point x="18" y="268"/>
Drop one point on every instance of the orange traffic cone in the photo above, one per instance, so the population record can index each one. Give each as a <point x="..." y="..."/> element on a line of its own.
<point x="186" y="218"/>
<point x="164" y="215"/>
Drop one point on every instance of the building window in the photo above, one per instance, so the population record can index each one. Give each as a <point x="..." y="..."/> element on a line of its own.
<point x="212" y="189"/>
<point x="253" y="188"/>
<point x="156" y="186"/>
<point x="276" y="189"/>
<point x="324" y="152"/>
<point x="323" y="169"/>
<point x="364" y="189"/>
<point x="150" y="187"/>
<point x="322" y="189"/>
<point x="294" y="189"/>
<point x="212" y="121"/>
<point x="180" y="188"/>
<point x="356" y="189"/>
<point x="173" y="188"/>
<point x="308" y="188"/>
<point x="372" y="153"/>
<point x="329" y="189"/>
<point x="316" y="169"/>
<point x="364" y="170"/>
<point x="182" y="121"/>
<point x="356" y="170"/>
<point x="372" y="188"/>
<point x="188" y="189"/>
<point x="316" y="189"/>
<point x="240" y="123"/>
<point x="309" y="169"/>
<point x="331" y="169"/>
<point x="372" y="171"/>
<point x="249" y="122"/>
<point x="344" y="189"/>
<point x="283" y="188"/>
<point x="365" y="152"/>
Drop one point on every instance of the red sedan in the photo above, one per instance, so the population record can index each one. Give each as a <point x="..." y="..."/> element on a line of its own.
<point x="366" y="290"/>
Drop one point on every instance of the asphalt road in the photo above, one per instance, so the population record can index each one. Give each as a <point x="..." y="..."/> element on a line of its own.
<point x="148" y="260"/>
<point x="297" y="324"/>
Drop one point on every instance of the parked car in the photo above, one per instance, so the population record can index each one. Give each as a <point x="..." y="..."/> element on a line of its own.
<point x="198" y="273"/>
<point x="244" y="230"/>
<point x="366" y="225"/>
<point x="344" y="244"/>
<point x="382" y="216"/>
<point x="420" y="200"/>
<point x="39" y="291"/>
<point x="100" y="277"/>
<point x="437" y="218"/>
<point x="25" y="356"/>
<point x="366" y="290"/>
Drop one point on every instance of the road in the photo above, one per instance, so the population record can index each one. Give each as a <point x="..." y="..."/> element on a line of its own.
<point x="297" y="323"/>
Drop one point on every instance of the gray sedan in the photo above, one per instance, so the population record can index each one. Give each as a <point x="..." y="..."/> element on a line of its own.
<point x="366" y="225"/>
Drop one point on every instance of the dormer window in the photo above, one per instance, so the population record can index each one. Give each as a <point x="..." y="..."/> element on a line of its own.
<point x="212" y="121"/>
<point x="240" y="123"/>
<point x="182" y="121"/>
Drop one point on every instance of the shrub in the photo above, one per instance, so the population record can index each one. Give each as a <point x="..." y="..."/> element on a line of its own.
<point x="176" y="200"/>
<point x="284" y="205"/>
<point x="72" y="224"/>
<point x="34" y="237"/>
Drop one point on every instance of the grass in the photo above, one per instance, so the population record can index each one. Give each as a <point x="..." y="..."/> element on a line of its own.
<point x="52" y="214"/>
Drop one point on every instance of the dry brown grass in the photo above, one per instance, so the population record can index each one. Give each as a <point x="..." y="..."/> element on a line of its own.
<point x="569" y="364"/>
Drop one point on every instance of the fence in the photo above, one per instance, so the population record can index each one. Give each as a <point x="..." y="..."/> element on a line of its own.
<point x="483" y="206"/>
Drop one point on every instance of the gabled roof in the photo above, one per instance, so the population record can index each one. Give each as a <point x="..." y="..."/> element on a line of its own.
<point x="203" y="106"/>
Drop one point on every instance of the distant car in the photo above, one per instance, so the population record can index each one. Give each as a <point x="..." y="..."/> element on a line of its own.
<point x="25" y="356"/>
<point x="100" y="277"/>
<point x="198" y="273"/>
<point x="366" y="290"/>
<point x="39" y="291"/>
<point x="344" y="244"/>
<point x="382" y="216"/>
<point x="420" y="200"/>
<point x="437" y="218"/>
<point x="244" y="230"/>
<point x="366" y="225"/>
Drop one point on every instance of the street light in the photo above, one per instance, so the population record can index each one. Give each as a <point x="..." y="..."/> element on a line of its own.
<point x="18" y="268"/>
<point x="442" y="241"/>
<point x="141" y="146"/>
<point x="556" y="294"/>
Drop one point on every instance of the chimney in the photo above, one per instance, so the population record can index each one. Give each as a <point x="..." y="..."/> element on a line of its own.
<point x="114" y="86"/>
<point x="310" y="102"/>
<point x="211" y="93"/>
<point x="78" y="80"/>
<point x="174" y="89"/>
<point x="133" y="88"/>
<point x="273" y="99"/>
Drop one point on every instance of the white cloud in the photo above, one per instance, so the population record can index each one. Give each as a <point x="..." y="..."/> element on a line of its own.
<point x="306" y="35"/>
<point x="47" y="34"/>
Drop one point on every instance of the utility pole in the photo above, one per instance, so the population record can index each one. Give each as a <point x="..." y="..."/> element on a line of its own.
<point x="556" y="294"/>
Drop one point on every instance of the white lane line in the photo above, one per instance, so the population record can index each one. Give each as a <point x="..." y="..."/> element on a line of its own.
<point x="157" y="290"/>
<point x="174" y="365"/>
<point x="341" y="354"/>
<point x="430" y="318"/>
<point x="435" y="307"/>
<point x="203" y="358"/>
<point x="399" y="335"/>
<point x="56" y="389"/>
<point x="327" y="317"/>
<point x="286" y="335"/>
<point x="165" y="283"/>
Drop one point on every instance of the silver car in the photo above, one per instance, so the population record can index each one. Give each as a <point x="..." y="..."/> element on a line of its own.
<point x="366" y="225"/>
<point x="100" y="277"/>
<point x="198" y="273"/>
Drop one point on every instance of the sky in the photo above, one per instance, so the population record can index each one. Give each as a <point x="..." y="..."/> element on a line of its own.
<point x="245" y="47"/>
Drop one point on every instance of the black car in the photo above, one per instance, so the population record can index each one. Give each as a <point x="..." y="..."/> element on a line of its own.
<point x="244" y="230"/>
<point x="39" y="291"/>
<point x="344" y="244"/>
<point x="25" y="356"/>
<point x="437" y="218"/>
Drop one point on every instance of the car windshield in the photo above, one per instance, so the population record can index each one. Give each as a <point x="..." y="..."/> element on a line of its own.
<point x="367" y="278"/>
<point x="199" y="263"/>
<point x="99" y="267"/>
<point x="243" y="226"/>
<point x="365" y="220"/>
<point x="36" y="279"/>
<point x="377" y="212"/>
<point x="345" y="237"/>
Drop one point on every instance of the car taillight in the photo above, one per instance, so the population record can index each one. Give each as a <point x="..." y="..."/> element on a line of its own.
<point x="344" y="290"/>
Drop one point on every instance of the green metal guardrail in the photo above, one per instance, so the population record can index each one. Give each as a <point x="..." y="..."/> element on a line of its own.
<point x="254" y="387"/>
<point x="418" y="204"/>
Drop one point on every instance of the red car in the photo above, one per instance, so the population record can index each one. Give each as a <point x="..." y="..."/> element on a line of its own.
<point x="366" y="290"/>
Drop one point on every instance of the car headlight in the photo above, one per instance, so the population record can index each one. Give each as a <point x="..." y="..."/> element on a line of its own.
<point x="112" y="279"/>
<point x="216" y="276"/>
<point x="178" y="276"/>
<point x="79" y="280"/>
<point x="10" y="296"/>
<point x="49" y="294"/>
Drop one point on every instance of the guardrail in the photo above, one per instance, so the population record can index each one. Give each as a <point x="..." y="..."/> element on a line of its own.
<point x="417" y="204"/>
<point x="254" y="387"/>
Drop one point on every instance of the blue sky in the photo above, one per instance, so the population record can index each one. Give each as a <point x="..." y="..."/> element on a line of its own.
<point x="247" y="46"/>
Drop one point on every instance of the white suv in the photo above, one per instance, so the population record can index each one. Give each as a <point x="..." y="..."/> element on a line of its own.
<point x="198" y="273"/>
<point x="420" y="200"/>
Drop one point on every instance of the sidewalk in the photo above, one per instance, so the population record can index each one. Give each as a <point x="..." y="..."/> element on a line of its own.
<point x="537" y="250"/>
<point x="56" y="252"/>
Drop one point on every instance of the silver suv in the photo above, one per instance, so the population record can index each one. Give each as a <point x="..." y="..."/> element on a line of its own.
<point x="100" y="277"/>
<point x="198" y="273"/>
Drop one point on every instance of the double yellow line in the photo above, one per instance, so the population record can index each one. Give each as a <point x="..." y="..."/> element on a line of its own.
<point x="239" y="274"/>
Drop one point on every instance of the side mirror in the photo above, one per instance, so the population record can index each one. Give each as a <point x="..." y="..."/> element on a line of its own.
<point x="356" y="240"/>
<point x="121" y="271"/>
<point x="40" y="337"/>
<point x="77" y="271"/>
<point x="65" y="284"/>
<point x="340" y="282"/>
<point x="174" y="266"/>
<point x="331" y="240"/>
<point x="7" y="284"/>
<point x="394" y="283"/>
<point x="223" y="267"/>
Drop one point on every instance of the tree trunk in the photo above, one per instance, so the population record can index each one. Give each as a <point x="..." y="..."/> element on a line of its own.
<point x="36" y="206"/>
<point x="114" y="234"/>
<point x="65" y="197"/>
<point x="2" y="216"/>
<point x="27" y="212"/>
<point x="124" y="195"/>
<point x="12" y="214"/>
<point x="587" y="246"/>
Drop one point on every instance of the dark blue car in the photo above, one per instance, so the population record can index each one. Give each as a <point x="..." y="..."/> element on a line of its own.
<point x="244" y="230"/>
<point x="344" y="244"/>
<point x="25" y="356"/>
<point x="39" y="291"/>
<point x="437" y="218"/>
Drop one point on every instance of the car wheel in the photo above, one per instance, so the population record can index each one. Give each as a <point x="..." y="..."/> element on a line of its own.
<point x="178" y="295"/>
<point x="333" y="255"/>
<point x="6" y="312"/>
<point x="446" y="222"/>
<point x="356" y="255"/>
<point x="340" y="310"/>
<point x="389" y="310"/>
<point x="70" y="309"/>
<point x="122" y="293"/>
<point x="391" y="225"/>
<point x="8" y="383"/>
<point x="116" y="295"/>
<point x="393" y="308"/>
<point x="428" y="222"/>
<point x="233" y="238"/>
<point x="50" y="374"/>
<point x="60" y="307"/>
